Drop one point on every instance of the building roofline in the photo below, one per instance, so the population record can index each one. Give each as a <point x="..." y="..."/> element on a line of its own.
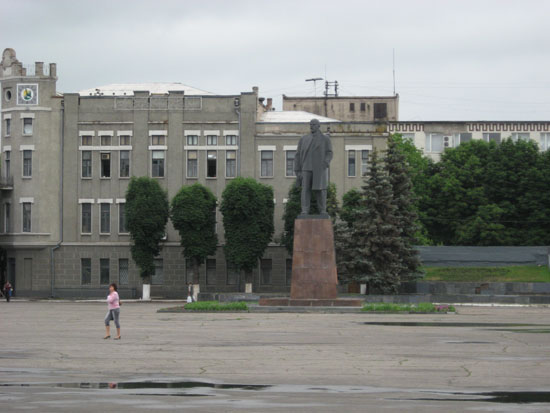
<point x="339" y="97"/>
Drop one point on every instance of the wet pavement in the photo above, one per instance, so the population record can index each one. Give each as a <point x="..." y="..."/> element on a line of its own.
<point x="53" y="358"/>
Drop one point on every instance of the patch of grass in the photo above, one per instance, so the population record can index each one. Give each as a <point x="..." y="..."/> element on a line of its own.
<point x="520" y="273"/>
<point x="407" y="308"/>
<point x="216" y="306"/>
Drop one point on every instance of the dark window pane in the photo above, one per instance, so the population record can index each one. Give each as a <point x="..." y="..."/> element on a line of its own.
<point x="211" y="164"/>
<point x="124" y="164"/>
<point x="86" y="271"/>
<point x="210" y="271"/>
<point x="122" y="218"/>
<point x="105" y="165"/>
<point x="265" y="271"/>
<point x="86" y="164"/>
<point x="86" y="218"/>
<point x="380" y="111"/>
<point x="158" y="276"/>
<point x="351" y="163"/>
<point x="290" y="155"/>
<point x="123" y="271"/>
<point x="104" y="272"/>
<point x="232" y="275"/>
<point x="105" y="212"/>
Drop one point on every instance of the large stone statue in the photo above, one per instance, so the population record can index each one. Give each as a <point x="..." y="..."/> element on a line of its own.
<point x="311" y="166"/>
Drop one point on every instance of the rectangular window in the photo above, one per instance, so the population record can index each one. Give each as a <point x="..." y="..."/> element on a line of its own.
<point x="27" y="164"/>
<point x="435" y="142"/>
<point x="157" y="168"/>
<point x="521" y="136"/>
<point x="158" y="276"/>
<point x="211" y="139"/>
<point x="210" y="272"/>
<point x="232" y="275"/>
<point x="104" y="273"/>
<point x="7" y="164"/>
<point x="288" y="271"/>
<point x="211" y="164"/>
<point x="192" y="164"/>
<point x="106" y="165"/>
<point x="265" y="271"/>
<point x="8" y="127"/>
<point x="462" y="138"/>
<point x="408" y="137"/>
<point x="106" y="140"/>
<point x="86" y="271"/>
<point x="351" y="163"/>
<point x="363" y="107"/>
<point x="86" y="164"/>
<point x="192" y="140"/>
<point x="352" y="107"/>
<point x="230" y="140"/>
<point x="86" y="140"/>
<point x="364" y="162"/>
<point x="27" y="216"/>
<point x="380" y="110"/>
<point x="266" y="163"/>
<point x="122" y="229"/>
<point x="124" y="140"/>
<point x="7" y="218"/>
<point x="492" y="137"/>
<point x="124" y="164"/>
<point x="544" y="141"/>
<point x="189" y="272"/>
<point x="105" y="214"/>
<point x="289" y="170"/>
<point x="86" y="219"/>
<point x="123" y="271"/>
<point x="27" y="126"/>
<point x="158" y="140"/>
<point x="231" y="164"/>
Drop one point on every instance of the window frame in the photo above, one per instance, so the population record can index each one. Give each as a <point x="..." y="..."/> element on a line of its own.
<point x="7" y="217"/>
<point x="212" y="140"/>
<point x="158" y="138"/>
<point x="486" y="136"/>
<point x="293" y="173"/>
<point x="354" y="158"/>
<point x="121" y="137"/>
<point x="262" y="282"/>
<point x="430" y="142"/>
<point x="215" y="152"/>
<point x="105" y="140"/>
<point x="364" y="161"/>
<point x="26" y="164"/>
<point x="7" y="127"/>
<point x="212" y="271"/>
<point x="154" y="281"/>
<point x="31" y="122"/>
<point x="127" y="261"/>
<point x="163" y="152"/>
<point x="102" y="267"/>
<point x="229" y="140"/>
<point x="192" y="140"/>
<point x="120" y="164"/>
<point x="91" y="165"/>
<point x="86" y="137"/>
<point x="88" y="267"/>
<point x="196" y="159"/>
<point x="122" y="213"/>
<point x="82" y="218"/>
<point x="7" y="164"/>
<point x="28" y="219"/>
<point x="234" y="161"/>
<point x="101" y="229"/>
<point x="101" y="169"/>
<point x="272" y="152"/>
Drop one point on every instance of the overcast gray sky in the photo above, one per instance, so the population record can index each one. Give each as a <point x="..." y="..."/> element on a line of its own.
<point x="455" y="60"/>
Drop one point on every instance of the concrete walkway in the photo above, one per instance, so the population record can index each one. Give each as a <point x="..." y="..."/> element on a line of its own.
<point x="309" y="362"/>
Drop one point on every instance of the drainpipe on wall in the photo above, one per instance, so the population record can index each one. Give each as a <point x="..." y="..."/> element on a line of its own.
<point x="238" y="112"/>
<point x="61" y="170"/>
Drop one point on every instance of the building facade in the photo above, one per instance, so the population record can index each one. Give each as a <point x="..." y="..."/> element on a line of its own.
<point x="68" y="158"/>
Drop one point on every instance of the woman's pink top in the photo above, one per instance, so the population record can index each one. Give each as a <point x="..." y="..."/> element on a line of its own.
<point x="113" y="300"/>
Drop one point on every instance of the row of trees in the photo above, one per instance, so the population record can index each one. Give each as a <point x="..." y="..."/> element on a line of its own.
<point x="482" y="193"/>
<point x="247" y="208"/>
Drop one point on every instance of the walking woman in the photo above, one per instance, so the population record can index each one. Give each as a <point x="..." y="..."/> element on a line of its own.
<point x="113" y="303"/>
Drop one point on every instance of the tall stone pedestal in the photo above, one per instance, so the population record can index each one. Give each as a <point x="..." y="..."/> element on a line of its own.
<point x="314" y="274"/>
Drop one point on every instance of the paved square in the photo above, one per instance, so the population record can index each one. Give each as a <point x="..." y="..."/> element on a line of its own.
<point x="272" y="362"/>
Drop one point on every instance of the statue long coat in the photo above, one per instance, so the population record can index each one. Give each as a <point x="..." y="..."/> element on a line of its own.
<point x="314" y="154"/>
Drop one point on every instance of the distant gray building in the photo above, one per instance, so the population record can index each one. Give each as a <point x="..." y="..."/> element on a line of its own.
<point x="67" y="160"/>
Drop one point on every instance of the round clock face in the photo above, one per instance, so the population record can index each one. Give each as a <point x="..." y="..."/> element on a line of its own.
<point x="27" y="94"/>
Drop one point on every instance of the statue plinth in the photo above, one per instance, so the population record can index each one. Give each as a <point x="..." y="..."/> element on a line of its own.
<point x="314" y="274"/>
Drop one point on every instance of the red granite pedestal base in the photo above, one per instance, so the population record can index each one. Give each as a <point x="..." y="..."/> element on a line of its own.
<point x="314" y="275"/>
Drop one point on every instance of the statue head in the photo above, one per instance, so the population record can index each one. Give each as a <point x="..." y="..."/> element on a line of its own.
<point x="314" y="125"/>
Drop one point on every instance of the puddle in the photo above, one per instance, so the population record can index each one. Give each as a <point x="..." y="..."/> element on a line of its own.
<point x="443" y="324"/>
<point x="193" y="388"/>
<point x="519" y="397"/>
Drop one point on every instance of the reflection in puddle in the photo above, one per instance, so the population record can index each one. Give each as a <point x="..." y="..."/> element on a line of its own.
<point x="189" y="388"/>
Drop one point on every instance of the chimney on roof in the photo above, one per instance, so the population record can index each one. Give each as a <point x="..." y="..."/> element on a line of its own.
<point x="269" y="103"/>
<point x="53" y="70"/>
<point x="39" y="68"/>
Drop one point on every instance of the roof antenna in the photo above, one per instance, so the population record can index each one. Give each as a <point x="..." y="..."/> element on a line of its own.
<point x="393" y="50"/>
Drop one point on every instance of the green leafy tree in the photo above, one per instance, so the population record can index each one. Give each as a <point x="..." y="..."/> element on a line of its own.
<point x="369" y="250"/>
<point x="147" y="211"/>
<point x="247" y="208"/>
<point x="293" y="209"/>
<point x="397" y="168"/>
<point x="193" y="213"/>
